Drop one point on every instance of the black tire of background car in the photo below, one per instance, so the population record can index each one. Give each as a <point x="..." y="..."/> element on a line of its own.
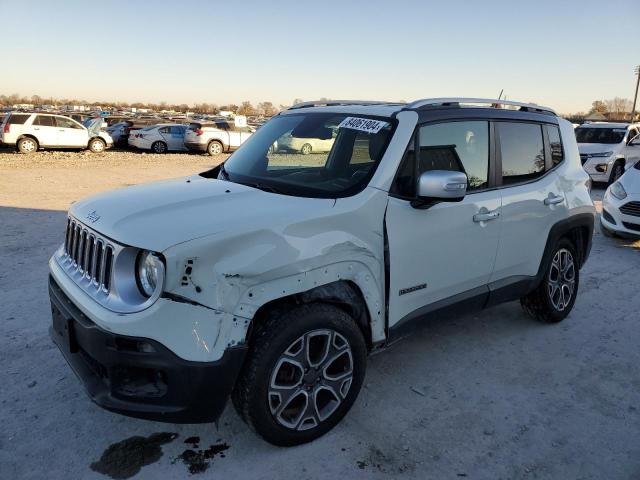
<point x="271" y="338"/>
<point x="538" y="303"/>
<point x="159" y="147"/>
<point x="215" y="148"/>
<point x="97" y="141"/>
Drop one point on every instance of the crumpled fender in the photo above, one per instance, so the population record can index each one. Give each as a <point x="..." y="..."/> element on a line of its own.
<point x="238" y="272"/>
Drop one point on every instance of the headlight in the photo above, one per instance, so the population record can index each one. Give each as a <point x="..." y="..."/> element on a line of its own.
<point x="603" y="154"/>
<point x="149" y="272"/>
<point x="618" y="191"/>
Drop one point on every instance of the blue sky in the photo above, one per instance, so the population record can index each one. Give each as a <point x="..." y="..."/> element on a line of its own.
<point x="564" y="54"/>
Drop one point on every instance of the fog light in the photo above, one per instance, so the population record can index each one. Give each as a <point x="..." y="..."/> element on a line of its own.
<point x="602" y="167"/>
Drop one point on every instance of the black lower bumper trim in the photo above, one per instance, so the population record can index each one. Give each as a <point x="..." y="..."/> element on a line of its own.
<point x="140" y="377"/>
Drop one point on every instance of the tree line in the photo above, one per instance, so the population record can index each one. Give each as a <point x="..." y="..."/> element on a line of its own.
<point x="266" y="109"/>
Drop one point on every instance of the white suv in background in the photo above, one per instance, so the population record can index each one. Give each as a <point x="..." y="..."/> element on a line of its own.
<point x="272" y="277"/>
<point x="215" y="137"/>
<point x="606" y="150"/>
<point x="31" y="131"/>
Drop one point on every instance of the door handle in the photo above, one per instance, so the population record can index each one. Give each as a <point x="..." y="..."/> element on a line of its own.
<point x="486" y="216"/>
<point x="553" y="199"/>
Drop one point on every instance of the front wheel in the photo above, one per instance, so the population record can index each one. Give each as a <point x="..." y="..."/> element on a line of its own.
<point x="554" y="298"/>
<point x="97" y="145"/>
<point x="304" y="371"/>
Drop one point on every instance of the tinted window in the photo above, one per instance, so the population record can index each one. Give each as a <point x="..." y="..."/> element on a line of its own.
<point x="177" y="130"/>
<point x="600" y="135"/>
<point x="458" y="146"/>
<point x="522" y="151"/>
<point x="17" y="118"/>
<point x="555" y="143"/>
<point x="44" y="121"/>
<point x="163" y="130"/>
<point x="64" y="122"/>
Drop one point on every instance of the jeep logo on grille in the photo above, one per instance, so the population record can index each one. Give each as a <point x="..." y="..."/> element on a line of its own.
<point x="93" y="217"/>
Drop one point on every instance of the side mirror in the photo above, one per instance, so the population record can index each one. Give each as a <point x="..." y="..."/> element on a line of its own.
<point x="435" y="186"/>
<point x="635" y="142"/>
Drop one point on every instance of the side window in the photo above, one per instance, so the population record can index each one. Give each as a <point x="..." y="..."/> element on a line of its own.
<point x="64" y="122"/>
<point x="632" y="133"/>
<point x="522" y="151"/>
<point x="17" y="118"/>
<point x="163" y="130"/>
<point x="43" y="121"/>
<point x="557" y="154"/>
<point x="459" y="146"/>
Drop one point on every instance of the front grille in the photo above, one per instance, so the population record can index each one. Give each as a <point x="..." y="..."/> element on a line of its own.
<point x="631" y="226"/>
<point x="631" y="208"/>
<point x="89" y="254"/>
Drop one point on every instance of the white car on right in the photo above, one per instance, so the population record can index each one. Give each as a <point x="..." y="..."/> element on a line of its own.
<point x="621" y="205"/>
<point x="607" y="148"/>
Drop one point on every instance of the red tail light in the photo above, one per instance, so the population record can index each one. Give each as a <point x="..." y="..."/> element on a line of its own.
<point x="6" y="127"/>
<point x="199" y="131"/>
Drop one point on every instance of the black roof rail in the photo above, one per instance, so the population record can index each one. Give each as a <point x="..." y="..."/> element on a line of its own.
<point x="485" y="102"/>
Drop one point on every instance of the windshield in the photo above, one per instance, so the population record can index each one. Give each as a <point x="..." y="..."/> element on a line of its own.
<point x="600" y="135"/>
<point x="320" y="155"/>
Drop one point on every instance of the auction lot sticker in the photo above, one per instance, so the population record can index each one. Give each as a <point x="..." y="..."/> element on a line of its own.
<point x="363" y="124"/>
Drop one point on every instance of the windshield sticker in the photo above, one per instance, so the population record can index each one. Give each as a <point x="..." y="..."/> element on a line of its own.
<point x="363" y="124"/>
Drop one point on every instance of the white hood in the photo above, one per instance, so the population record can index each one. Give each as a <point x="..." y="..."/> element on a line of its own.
<point x="631" y="181"/>
<point x="158" y="215"/>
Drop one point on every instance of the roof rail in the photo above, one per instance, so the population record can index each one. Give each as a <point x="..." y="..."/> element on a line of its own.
<point x="434" y="102"/>
<point x="334" y="103"/>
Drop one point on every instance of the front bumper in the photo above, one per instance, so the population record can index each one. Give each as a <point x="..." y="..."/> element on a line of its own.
<point x="140" y="377"/>
<point x="613" y="219"/>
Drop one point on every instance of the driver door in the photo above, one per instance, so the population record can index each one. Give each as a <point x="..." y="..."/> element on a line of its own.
<point x="445" y="253"/>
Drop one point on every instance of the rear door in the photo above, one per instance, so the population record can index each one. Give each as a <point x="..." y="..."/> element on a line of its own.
<point x="446" y="252"/>
<point x="176" y="137"/>
<point x="71" y="133"/>
<point x="45" y="130"/>
<point x="532" y="195"/>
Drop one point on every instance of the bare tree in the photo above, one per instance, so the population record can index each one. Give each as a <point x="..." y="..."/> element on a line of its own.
<point x="246" y="109"/>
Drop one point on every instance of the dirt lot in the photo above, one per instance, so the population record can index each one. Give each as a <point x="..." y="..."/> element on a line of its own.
<point x="488" y="396"/>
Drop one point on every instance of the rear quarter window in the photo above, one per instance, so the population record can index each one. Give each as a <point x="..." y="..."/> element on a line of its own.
<point x="18" y="118"/>
<point x="522" y="152"/>
<point x="555" y="144"/>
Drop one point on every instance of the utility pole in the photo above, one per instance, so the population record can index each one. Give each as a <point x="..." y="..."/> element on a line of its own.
<point x="635" y="97"/>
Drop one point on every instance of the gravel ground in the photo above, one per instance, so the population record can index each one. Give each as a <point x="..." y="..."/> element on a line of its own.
<point x="488" y="396"/>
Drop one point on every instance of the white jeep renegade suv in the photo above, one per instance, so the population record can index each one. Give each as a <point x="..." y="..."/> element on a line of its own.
<point x="272" y="277"/>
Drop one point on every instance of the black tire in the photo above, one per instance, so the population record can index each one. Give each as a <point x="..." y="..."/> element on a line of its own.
<point x="159" y="147"/>
<point x="27" y="145"/>
<point x="306" y="149"/>
<point x="617" y="171"/>
<point x="542" y="303"/>
<point x="253" y="396"/>
<point x="97" y="145"/>
<point x="215" y="148"/>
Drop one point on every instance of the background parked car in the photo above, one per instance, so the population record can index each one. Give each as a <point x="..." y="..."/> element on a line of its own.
<point x="215" y="137"/>
<point x="305" y="146"/>
<point x="605" y="149"/>
<point x="31" y="131"/>
<point x="621" y="204"/>
<point x="159" y="138"/>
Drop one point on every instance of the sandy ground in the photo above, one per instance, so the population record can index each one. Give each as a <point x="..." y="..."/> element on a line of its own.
<point x="488" y="396"/>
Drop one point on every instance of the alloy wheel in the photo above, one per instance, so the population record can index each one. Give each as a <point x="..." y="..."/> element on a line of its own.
<point x="311" y="379"/>
<point x="562" y="279"/>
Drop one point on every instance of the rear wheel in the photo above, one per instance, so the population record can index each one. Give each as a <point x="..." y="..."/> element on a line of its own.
<point x="304" y="371"/>
<point x="554" y="298"/>
<point x="306" y="149"/>
<point x="97" y="145"/>
<point x="27" y="145"/>
<point x="159" y="147"/>
<point x="215" y="148"/>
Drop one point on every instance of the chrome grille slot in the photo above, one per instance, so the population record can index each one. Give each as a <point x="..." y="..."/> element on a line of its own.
<point x="88" y="256"/>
